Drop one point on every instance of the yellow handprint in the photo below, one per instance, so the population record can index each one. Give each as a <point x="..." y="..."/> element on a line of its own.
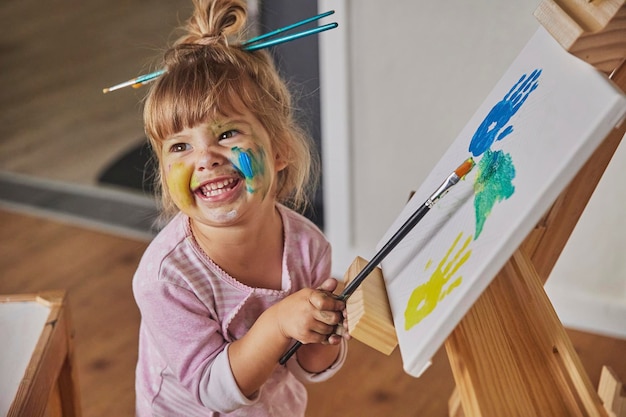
<point x="425" y="297"/>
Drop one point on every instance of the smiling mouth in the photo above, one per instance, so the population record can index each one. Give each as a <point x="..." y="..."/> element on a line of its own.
<point x="218" y="187"/>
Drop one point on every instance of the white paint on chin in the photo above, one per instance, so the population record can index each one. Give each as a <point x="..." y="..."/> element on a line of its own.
<point x="227" y="216"/>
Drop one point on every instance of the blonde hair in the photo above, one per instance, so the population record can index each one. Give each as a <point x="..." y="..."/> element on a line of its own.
<point x="208" y="76"/>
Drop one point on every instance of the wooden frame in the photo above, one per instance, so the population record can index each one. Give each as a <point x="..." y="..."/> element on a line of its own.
<point x="49" y="386"/>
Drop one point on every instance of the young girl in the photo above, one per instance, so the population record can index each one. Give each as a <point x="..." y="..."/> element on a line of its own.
<point x="235" y="276"/>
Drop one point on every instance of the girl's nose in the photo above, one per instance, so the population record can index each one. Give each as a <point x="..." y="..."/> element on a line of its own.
<point x="208" y="159"/>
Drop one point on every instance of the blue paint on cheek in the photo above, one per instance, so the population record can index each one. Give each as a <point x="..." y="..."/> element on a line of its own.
<point x="245" y="164"/>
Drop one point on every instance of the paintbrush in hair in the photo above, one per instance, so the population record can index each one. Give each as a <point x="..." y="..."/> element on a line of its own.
<point x="253" y="44"/>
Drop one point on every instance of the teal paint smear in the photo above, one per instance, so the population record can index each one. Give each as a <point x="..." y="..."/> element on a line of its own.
<point x="248" y="164"/>
<point x="494" y="183"/>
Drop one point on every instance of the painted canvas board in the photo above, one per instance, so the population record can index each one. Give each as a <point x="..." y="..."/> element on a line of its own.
<point x="529" y="138"/>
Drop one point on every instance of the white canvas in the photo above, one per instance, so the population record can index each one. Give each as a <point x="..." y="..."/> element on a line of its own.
<point x="529" y="138"/>
<point x="21" y="324"/>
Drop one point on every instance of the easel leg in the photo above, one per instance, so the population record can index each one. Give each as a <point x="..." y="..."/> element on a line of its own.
<point x="510" y="355"/>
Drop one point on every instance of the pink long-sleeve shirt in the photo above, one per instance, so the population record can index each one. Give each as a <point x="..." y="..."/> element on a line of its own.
<point x="191" y="310"/>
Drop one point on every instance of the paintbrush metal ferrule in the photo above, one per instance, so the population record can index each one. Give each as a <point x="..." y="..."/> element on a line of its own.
<point x="450" y="182"/>
<point x="136" y="82"/>
<point x="442" y="190"/>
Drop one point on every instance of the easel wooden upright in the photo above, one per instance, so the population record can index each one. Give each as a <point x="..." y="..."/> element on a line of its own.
<point x="510" y="355"/>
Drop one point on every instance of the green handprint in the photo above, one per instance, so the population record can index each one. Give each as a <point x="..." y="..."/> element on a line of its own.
<point x="425" y="297"/>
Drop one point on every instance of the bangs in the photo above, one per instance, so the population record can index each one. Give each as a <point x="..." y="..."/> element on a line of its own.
<point x="193" y="95"/>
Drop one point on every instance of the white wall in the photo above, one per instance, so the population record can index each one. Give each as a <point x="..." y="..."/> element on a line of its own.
<point x="399" y="81"/>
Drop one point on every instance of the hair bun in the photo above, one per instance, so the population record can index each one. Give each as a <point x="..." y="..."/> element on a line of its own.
<point x="215" y="21"/>
<point x="210" y="40"/>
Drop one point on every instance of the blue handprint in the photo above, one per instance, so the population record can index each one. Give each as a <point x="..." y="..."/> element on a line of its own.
<point x="501" y="113"/>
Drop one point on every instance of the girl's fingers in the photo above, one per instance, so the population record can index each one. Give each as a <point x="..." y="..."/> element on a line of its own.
<point x="333" y="339"/>
<point x="318" y="334"/>
<point x="322" y="328"/>
<point x="331" y="318"/>
<point x="329" y="285"/>
<point x="326" y="301"/>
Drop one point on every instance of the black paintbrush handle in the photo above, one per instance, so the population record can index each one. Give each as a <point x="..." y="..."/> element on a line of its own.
<point x="369" y="267"/>
<point x="283" y="359"/>
<point x="384" y="251"/>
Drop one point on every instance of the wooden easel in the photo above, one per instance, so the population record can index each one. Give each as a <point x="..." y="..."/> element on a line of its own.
<point x="510" y="355"/>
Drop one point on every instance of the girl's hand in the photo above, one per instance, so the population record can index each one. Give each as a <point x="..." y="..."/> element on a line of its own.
<point x="311" y="315"/>
<point x="341" y="330"/>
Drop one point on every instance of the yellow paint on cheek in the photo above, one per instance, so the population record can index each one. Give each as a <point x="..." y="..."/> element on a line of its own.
<point x="425" y="297"/>
<point x="194" y="182"/>
<point x="179" y="183"/>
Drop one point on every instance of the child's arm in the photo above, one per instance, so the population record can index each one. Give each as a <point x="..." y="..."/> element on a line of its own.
<point x="309" y="316"/>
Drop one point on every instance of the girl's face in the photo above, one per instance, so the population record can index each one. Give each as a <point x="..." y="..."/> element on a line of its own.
<point x="219" y="171"/>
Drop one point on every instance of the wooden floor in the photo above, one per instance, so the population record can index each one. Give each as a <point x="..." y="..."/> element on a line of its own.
<point x="96" y="269"/>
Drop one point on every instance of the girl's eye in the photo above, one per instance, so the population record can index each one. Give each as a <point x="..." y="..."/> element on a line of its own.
<point x="179" y="147"/>
<point x="228" y="134"/>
